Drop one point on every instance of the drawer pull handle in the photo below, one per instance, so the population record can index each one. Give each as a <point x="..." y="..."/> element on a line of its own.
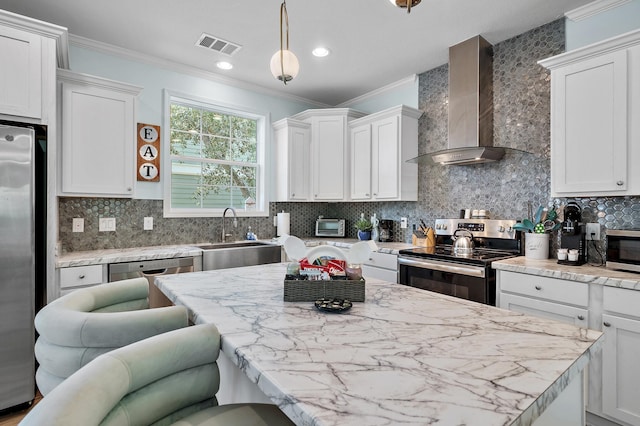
<point x="538" y="287"/>
<point x="81" y="277"/>
<point x="607" y="324"/>
<point x="581" y="317"/>
<point x="619" y="183"/>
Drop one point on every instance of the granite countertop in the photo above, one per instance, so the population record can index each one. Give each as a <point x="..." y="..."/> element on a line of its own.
<point x="99" y="257"/>
<point x="583" y="273"/>
<point x="404" y="356"/>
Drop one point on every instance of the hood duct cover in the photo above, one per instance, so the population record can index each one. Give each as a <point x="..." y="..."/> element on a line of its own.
<point x="470" y="105"/>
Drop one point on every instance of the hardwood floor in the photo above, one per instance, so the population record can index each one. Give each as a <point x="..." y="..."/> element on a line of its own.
<point x="12" y="419"/>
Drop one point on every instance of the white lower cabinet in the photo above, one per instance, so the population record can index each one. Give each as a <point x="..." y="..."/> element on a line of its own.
<point x="613" y="388"/>
<point x="382" y="266"/>
<point x="620" y="355"/>
<point x="75" y="277"/>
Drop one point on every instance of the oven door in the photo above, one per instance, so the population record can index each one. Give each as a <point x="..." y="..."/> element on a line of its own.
<point x="471" y="282"/>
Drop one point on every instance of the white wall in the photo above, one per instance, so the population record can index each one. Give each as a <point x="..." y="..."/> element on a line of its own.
<point x="155" y="79"/>
<point x="603" y="25"/>
<point x="403" y="92"/>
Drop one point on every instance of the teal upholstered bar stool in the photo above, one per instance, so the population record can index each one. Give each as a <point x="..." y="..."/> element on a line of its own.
<point x="168" y="379"/>
<point x="81" y="325"/>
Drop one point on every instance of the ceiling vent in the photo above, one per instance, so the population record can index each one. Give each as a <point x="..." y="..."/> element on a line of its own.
<point x="219" y="45"/>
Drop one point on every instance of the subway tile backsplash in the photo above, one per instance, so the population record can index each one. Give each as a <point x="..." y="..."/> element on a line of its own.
<point x="521" y="122"/>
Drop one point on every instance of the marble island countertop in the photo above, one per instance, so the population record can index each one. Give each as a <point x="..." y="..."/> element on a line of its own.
<point x="403" y="357"/>
<point x="96" y="257"/>
<point x="583" y="273"/>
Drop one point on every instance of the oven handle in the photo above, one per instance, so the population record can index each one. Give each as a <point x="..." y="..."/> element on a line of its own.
<point x="444" y="267"/>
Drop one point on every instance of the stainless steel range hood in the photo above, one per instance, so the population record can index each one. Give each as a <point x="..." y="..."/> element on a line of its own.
<point x="470" y="105"/>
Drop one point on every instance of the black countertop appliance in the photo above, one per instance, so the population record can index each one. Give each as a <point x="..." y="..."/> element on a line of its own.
<point x="572" y="233"/>
<point x="386" y="230"/>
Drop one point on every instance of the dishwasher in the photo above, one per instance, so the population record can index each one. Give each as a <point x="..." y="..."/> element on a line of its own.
<point x="150" y="269"/>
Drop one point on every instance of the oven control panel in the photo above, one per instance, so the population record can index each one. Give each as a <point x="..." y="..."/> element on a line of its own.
<point x="487" y="228"/>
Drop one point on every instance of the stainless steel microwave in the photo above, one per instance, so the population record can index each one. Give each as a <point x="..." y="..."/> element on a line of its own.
<point x="623" y="249"/>
<point x="329" y="227"/>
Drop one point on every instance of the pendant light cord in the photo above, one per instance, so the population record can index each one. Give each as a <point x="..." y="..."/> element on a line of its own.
<point x="285" y="14"/>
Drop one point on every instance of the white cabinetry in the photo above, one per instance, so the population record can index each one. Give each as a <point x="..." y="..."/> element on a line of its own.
<point x="620" y="372"/>
<point x="595" y="138"/>
<point x="381" y="143"/>
<point x="561" y="300"/>
<point x="382" y="266"/>
<point x="75" y="277"/>
<point x="20" y="73"/>
<point x="98" y="136"/>
<point x="293" y="155"/>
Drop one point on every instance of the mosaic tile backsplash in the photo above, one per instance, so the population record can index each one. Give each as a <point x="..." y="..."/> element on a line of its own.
<point x="521" y="122"/>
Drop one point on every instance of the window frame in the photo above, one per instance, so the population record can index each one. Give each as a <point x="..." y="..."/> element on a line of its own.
<point x="262" y="135"/>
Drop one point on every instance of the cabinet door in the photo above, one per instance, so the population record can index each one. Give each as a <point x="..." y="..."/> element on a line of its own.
<point x="98" y="132"/>
<point x="20" y="73"/>
<point x="620" y="372"/>
<point x="589" y="126"/>
<point x="543" y="309"/>
<point x="328" y="145"/>
<point x="386" y="165"/>
<point x="360" y="139"/>
<point x="299" y="175"/>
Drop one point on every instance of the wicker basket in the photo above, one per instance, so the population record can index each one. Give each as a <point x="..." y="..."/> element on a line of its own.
<point x="310" y="291"/>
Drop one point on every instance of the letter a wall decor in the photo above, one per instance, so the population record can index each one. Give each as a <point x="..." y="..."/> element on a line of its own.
<point x="148" y="152"/>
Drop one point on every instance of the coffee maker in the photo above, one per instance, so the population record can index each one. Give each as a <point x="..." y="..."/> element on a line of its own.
<point x="386" y="230"/>
<point x="572" y="235"/>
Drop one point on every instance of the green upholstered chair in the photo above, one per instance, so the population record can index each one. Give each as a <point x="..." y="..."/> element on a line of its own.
<point x="79" y="326"/>
<point x="168" y="379"/>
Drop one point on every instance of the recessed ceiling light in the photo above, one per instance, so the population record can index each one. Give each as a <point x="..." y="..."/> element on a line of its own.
<point x="320" y="52"/>
<point x="223" y="65"/>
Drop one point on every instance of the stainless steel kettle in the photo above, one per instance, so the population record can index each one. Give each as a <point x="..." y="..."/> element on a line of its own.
<point x="462" y="244"/>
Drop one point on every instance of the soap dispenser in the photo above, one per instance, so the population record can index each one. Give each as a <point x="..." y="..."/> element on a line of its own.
<point x="374" y="230"/>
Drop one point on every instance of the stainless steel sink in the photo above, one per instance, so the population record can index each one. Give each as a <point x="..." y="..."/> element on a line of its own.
<point x="237" y="254"/>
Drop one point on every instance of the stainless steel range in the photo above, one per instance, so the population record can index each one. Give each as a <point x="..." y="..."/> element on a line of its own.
<point x="461" y="273"/>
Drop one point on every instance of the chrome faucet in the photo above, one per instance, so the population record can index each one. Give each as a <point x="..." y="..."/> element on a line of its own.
<point x="235" y="223"/>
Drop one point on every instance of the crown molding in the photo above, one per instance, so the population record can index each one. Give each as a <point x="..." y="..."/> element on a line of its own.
<point x="132" y="55"/>
<point x="593" y="8"/>
<point x="407" y="80"/>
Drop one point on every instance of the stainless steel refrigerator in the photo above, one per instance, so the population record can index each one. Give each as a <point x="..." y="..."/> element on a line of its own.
<point x="19" y="260"/>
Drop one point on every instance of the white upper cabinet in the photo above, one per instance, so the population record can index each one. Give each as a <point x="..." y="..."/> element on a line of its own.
<point x="381" y="144"/>
<point x="595" y="138"/>
<point x="98" y="136"/>
<point x="293" y="155"/>
<point x="30" y="51"/>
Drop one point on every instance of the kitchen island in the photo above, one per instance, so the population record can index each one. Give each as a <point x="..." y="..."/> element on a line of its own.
<point x="403" y="357"/>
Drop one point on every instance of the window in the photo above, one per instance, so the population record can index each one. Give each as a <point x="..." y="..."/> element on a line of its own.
<point x="215" y="160"/>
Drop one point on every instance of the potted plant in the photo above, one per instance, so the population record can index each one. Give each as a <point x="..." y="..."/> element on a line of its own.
<point x="364" y="227"/>
<point x="537" y="231"/>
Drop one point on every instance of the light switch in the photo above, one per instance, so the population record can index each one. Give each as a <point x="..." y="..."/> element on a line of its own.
<point x="147" y="224"/>
<point x="107" y="224"/>
<point x="78" y="224"/>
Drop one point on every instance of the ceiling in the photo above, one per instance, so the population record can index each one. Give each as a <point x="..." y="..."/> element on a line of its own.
<point x="373" y="44"/>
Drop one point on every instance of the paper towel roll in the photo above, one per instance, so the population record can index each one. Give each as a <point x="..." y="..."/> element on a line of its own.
<point x="282" y="224"/>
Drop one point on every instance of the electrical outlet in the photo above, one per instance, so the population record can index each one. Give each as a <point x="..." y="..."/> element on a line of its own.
<point x="107" y="224"/>
<point x="403" y="222"/>
<point x="593" y="228"/>
<point x="148" y="224"/>
<point x="78" y="224"/>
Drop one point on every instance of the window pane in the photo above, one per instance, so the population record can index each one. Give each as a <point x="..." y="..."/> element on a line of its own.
<point x="215" y="147"/>
<point x="185" y="118"/>
<point x="215" y="123"/>
<point x="185" y="144"/>
<point x="244" y="150"/>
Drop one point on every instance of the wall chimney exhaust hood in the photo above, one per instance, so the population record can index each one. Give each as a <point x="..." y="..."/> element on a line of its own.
<point x="470" y="106"/>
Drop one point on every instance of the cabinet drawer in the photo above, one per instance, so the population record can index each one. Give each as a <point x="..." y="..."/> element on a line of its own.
<point x="622" y="301"/>
<point x="383" y="260"/>
<point x="562" y="291"/>
<point x="543" y="309"/>
<point x="80" y="276"/>
<point x="379" y="273"/>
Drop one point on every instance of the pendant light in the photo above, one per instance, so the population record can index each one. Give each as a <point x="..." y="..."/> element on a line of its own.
<point x="405" y="3"/>
<point x="284" y="64"/>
